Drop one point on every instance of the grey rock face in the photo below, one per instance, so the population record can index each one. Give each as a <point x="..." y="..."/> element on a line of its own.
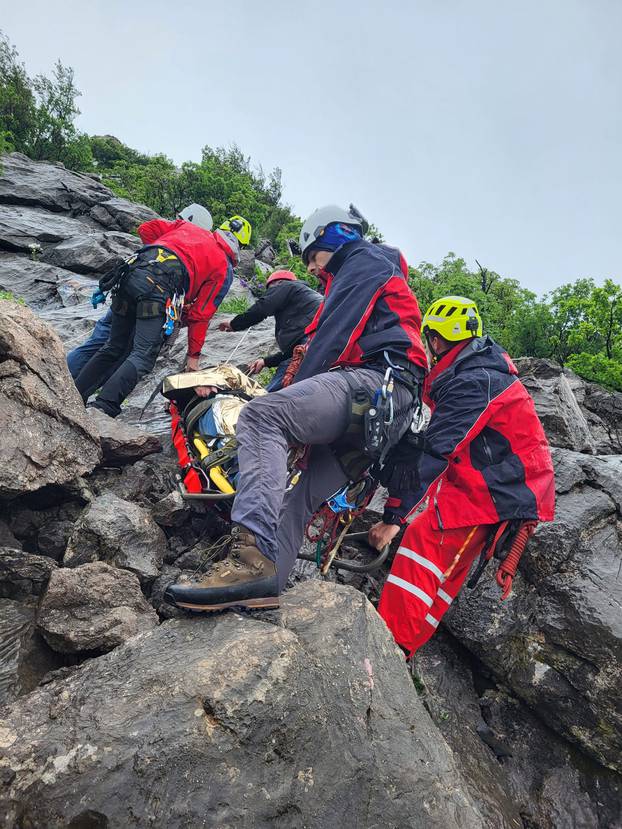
<point x="46" y="437"/>
<point x="24" y="656"/>
<point x="557" y="642"/>
<point x="124" y="534"/>
<point x="93" y="253"/>
<point x="564" y="422"/>
<point x="23" y="575"/>
<point x="121" y="443"/>
<point x="234" y="721"/>
<point x="94" y="607"/>
<point x="50" y="186"/>
<point x="120" y="214"/>
<point x="21" y="227"/>
<point x="511" y="761"/>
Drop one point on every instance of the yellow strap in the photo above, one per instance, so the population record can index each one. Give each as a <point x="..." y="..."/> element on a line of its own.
<point x="458" y="555"/>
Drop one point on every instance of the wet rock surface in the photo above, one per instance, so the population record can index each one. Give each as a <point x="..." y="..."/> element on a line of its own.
<point x="279" y="697"/>
<point x="518" y="770"/>
<point x="557" y="642"/>
<point x="23" y="575"/>
<point x="118" y="532"/>
<point x="121" y="443"/>
<point x="237" y="721"/>
<point x="92" y="609"/>
<point x="46" y="437"/>
<point x="24" y="656"/>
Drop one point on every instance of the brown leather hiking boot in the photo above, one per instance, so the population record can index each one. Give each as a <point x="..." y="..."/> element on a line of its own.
<point x="245" y="578"/>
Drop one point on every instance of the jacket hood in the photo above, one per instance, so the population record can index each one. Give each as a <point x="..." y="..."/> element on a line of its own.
<point x="480" y="352"/>
<point x="228" y="242"/>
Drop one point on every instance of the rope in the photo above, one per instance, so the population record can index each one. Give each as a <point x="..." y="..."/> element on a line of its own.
<point x="458" y="555"/>
<point x="244" y="336"/>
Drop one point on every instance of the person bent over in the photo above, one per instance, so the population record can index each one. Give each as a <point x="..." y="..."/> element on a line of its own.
<point x="369" y="320"/>
<point x="183" y="265"/>
<point x="293" y="305"/>
<point x="485" y="461"/>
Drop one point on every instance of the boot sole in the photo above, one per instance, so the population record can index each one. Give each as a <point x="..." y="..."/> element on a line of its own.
<point x="264" y="603"/>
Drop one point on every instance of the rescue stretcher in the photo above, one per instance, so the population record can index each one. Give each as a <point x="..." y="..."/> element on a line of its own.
<point x="203" y="434"/>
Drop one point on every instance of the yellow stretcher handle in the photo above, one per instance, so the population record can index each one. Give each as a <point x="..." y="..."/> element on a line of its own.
<point x="217" y="476"/>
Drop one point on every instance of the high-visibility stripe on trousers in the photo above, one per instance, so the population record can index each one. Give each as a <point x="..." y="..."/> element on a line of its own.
<point x="427" y="573"/>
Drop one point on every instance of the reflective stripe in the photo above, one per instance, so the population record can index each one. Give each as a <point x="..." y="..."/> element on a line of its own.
<point x="431" y="620"/>
<point x="411" y="588"/>
<point x="444" y="596"/>
<point x="424" y="562"/>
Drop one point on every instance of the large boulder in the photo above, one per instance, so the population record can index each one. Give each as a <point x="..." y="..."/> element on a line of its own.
<point x="564" y="422"/>
<point x="24" y="656"/>
<point x="23" y="575"/>
<point x="35" y="282"/>
<point x="120" y="442"/>
<point x="121" y="533"/>
<point x="498" y="744"/>
<point x="46" y="436"/>
<point x="93" y="608"/>
<point x="557" y="642"/>
<point x="121" y="214"/>
<point x="304" y="718"/>
<point x="23" y="227"/>
<point x="93" y="253"/>
<point x="50" y="186"/>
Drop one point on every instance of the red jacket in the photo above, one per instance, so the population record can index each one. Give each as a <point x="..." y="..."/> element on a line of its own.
<point x="208" y="260"/>
<point x="368" y="309"/>
<point x="486" y="458"/>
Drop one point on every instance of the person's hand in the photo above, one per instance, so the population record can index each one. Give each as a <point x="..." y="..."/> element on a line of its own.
<point x="225" y="326"/>
<point x="205" y="391"/>
<point x="382" y="534"/>
<point x="192" y="363"/>
<point x="256" y="366"/>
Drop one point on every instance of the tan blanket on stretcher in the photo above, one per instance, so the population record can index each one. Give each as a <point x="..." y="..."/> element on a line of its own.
<point x="226" y="409"/>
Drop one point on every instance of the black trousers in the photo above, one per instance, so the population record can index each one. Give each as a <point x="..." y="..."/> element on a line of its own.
<point x="130" y="324"/>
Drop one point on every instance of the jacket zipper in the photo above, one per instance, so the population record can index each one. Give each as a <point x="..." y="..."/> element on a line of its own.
<point x="487" y="448"/>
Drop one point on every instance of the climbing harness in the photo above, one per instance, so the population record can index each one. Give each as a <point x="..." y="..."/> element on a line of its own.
<point x="173" y="311"/>
<point x="328" y="528"/>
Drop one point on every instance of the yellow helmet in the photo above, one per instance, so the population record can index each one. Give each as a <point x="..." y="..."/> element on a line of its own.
<point x="455" y="318"/>
<point x="240" y="227"/>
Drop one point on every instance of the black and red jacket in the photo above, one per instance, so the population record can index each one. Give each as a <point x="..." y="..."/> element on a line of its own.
<point x="209" y="264"/>
<point x="485" y="458"/>
<point x="368" y="308"/>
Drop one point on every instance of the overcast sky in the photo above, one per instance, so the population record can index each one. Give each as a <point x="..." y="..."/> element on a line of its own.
<point x="490" y="129"/>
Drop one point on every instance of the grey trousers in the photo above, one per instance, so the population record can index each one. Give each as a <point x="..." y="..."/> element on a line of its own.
<point x="314" y="412"/>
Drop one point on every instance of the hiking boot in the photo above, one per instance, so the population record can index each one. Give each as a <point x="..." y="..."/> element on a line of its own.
<point x="245" y="578"/>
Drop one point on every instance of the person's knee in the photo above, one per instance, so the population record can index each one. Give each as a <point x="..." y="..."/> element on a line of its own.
<point x="143" y="361"/>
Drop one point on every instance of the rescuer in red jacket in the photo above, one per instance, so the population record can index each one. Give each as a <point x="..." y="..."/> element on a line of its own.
<point x="485" y="467"/>
<point x="181" y="274"/>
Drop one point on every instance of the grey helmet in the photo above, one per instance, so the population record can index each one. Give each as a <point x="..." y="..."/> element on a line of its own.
<point x="231" y="241"/>
<point x="314" y="226"/>
<point x="198" y="215"/>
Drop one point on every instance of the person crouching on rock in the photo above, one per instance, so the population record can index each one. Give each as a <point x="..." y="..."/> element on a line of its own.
<point x="182" y="270"/>
<point x="370" y="319"/>
<point x="293" y="305"/>
<point x="485" y="461"/>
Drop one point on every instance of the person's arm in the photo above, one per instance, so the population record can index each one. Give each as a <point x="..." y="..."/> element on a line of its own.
<point x="266" y="306"/>
<point x="211" y="293"/>
<point x="461" y="413"/>
<point x="274" y="360"/>
<point x="149" y="232"/>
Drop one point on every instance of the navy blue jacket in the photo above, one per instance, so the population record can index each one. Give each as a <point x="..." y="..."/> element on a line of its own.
<point x="368" y="308"/>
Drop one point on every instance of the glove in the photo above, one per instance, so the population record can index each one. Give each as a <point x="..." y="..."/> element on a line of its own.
<point x="98" y="297"/>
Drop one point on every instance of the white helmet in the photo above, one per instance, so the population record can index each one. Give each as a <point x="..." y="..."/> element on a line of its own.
<point x="198" y="215"/>
<point x="319" y="219"/>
